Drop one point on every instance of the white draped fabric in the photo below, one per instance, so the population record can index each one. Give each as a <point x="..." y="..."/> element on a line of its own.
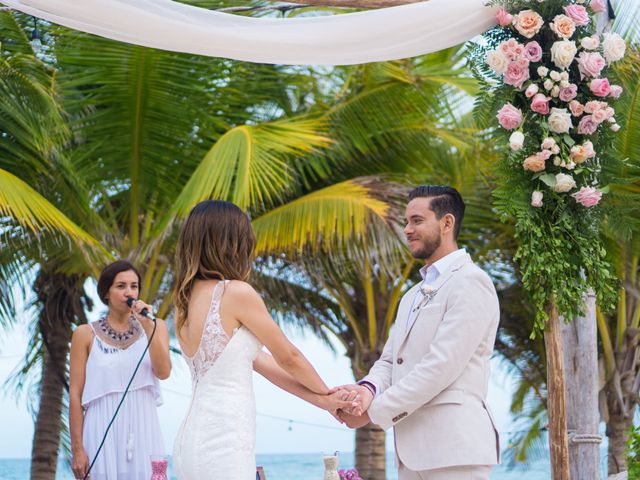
<point x="368" y="36"/>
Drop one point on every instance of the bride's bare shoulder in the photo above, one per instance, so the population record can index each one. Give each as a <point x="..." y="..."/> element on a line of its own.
<point x="238" y="290"/>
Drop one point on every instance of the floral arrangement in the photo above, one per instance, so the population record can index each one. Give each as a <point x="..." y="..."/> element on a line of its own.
<point x="349" y="474"/>
<point x="547" y="78"/>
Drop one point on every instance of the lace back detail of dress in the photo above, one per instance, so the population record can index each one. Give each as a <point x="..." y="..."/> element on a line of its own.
<point x="214" y="338"/>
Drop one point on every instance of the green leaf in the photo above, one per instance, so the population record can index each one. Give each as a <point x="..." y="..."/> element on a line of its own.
<point x="549" y="179"/>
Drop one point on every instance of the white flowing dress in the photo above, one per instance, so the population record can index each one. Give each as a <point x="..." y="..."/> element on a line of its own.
<point x="135" y="434"/>
<point x="217" y="436"/>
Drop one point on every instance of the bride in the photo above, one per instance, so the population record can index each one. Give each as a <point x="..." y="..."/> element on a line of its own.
<point x="222" y="323"/>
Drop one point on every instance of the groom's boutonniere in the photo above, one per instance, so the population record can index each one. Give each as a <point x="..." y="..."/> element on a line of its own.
<point x="428" y="293"/>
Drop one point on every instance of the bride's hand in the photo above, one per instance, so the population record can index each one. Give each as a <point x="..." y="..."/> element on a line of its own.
<point x="340" y="400"/>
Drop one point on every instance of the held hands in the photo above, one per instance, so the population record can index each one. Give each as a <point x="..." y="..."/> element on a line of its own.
<point x="355" y="416"/>
<point x="337" y="400"/>
<point x="79" y="463"/>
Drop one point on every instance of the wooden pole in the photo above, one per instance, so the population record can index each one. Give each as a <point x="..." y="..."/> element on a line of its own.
<point x="579" y="339"/>
<point x="556" y="401"/>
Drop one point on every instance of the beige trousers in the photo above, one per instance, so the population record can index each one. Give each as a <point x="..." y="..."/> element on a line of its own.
<point x="467" y="472"/>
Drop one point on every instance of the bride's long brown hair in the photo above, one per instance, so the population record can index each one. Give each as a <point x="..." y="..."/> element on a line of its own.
<point x="216" y="242"/>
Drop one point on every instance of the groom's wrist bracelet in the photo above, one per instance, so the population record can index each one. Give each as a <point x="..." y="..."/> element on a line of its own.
<point x="369" y="387"/>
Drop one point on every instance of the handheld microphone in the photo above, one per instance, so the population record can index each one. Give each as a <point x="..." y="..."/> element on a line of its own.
<point x="145" y="311"/>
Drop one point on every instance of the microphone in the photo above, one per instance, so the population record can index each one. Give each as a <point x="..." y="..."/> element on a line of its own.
<point x="145" y="311"/>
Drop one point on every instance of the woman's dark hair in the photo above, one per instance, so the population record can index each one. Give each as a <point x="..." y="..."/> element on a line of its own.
<point x="108" y="275"/>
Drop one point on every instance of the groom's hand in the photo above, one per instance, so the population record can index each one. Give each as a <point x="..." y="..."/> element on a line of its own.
<point x="364" y="398"/>
<point x="354" y="421"/>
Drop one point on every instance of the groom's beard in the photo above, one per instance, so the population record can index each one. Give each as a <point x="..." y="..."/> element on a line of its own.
<point x="428" y="248"/>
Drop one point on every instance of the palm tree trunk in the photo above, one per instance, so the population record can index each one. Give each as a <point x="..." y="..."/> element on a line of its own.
<point x="617" y="432"/>
<point x="371" y="452"/>
<point x="60" y="301"/>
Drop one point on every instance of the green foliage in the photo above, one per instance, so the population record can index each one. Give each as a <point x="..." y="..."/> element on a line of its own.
<point x="633" y="453"/>
<point x="559" y="252"/>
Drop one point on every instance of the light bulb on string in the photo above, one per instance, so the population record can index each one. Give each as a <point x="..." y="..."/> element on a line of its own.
<point x="36" y="43"/>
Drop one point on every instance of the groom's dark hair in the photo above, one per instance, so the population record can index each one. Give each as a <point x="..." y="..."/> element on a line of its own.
<point x="444" y="200"/>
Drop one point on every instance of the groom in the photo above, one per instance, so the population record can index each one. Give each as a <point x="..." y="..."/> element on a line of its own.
<point x="430" y="384"/>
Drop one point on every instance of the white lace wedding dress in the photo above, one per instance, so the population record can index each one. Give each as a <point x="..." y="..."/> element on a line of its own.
<point x="217" y="436"/>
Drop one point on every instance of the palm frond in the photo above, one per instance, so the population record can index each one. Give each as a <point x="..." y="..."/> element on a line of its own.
<point x="338" y="213"/>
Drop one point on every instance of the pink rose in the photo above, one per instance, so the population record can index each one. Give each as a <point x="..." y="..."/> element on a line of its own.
<point x="544" y="154"/>
<point x="581" y="153"/>
<point x="533" y="51"/>
<point x="610" y="112"/>
<point x="548" y="143"/>
<point x="540" y="104"/>
<point x="598" y="6"/>
<point x="509" y="117"/>
<point x="504" y="18"/>
<point x="587" y="125"/>
<point x="528" y="23"/>
<point x="594" y="105"/>
<point x="616" y="91"/>
<point x="576" y="108"/>
<point x="578" y="14"/>
<point x="599" y="116"/>
<point x="534" y="163"/>
<point x="531" y="90"/>
<point x="569" y="92"/>
<point x="590" y="64"/>
<point x="588" y="196"/>
<point x="516" y="75"/>
<point x="600" y="87"/>
<point x="511" y="49"/>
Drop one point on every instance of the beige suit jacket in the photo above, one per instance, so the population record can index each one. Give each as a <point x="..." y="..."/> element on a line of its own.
<point x="433" y="374"/>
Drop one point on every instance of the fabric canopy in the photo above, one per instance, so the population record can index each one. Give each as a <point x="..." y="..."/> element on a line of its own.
<point x="344" y="39"/>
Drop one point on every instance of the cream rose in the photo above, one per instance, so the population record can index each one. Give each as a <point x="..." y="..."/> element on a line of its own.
<point x="559" y="120"/>
<point x="613" y="47"/>
<point x="564" y="183"/>
<point x="536" y="199"/>
<point x="563" y="53"/>
<point x="497" y="61"/>
<point x="528" y="23"/>
<point x="590" y="43"/>
<point x="516" y="140"/>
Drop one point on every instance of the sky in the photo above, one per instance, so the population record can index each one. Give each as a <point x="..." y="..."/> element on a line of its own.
<point x="285" y="424"/>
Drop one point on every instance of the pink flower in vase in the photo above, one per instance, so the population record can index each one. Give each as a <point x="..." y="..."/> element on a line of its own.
<point x="590" y="64"/>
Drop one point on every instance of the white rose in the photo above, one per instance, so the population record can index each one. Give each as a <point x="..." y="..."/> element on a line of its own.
<point x="516" y="140"/>
<point x="615" y="127"/>
<point x="557" y="161"/>
<point x="555" y="76"/>
<point x="559" y="120"/>
<point x="564" y="183"/>
<point x="497" y="61"/>
<point x="563" y="53"/>
<point x="548" y="84"/>
<point x="536" y="199"/>
<point x="564" y="76"/>
<point x="590" y="43"/>
<point x="564" y="84"/>
<point x="542" y="71"/>
<point x="613" y="47"/>
<point x="555" y="91"/>
<point x="555" y="149"/>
